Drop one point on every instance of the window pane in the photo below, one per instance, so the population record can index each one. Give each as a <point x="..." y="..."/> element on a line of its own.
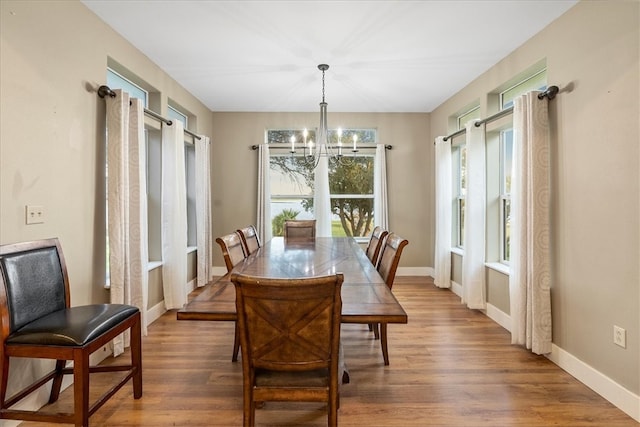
<point x="190" y="175"/>
<point x="535" y="82"/>
<point x="472" y="114"/>
<point x="506" y="229"/>
<point x="354" y="176"/>
<point x="506" y="162"/>
<point x="350" y="181"/>
<point x="116" y="81"/>
<point x="174" y="114"/>
<point x="461" y="222"/>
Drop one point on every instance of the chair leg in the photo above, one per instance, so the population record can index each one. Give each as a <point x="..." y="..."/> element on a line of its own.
<point x="57" y="381"/>
<point x="4" y="377"/>
<point x="236" y="344"/>
<point x="136" y="357"/>
<point x="81" y="387"/>
<point x="383" y="342"/>
<point x="376" y="331"/>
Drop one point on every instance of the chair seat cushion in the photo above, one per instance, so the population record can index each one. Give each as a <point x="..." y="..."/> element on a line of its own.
<point x="314" y="378"/>
<point x="75" y="326"/>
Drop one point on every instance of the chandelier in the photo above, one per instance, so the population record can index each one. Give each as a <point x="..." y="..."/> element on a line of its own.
<point x="322" y="148"/>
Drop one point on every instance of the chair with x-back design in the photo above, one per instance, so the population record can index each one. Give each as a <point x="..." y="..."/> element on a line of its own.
<point x="290" y="337"/>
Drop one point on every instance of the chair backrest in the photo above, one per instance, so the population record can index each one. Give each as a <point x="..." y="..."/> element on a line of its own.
<point x="300" y="229"/>
<point x="289" y="324"/>
<point x="232" y="249"/>
<point x="375" y="244"/>
<point x="33" y="282"/>
<point x="390" y="257"/>
<point x="250" y="239"/>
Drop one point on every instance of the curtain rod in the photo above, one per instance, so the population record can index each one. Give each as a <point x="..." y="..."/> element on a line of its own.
<point x="550" y="93"/>
<point x="105" y="90"/>
<point x="255" y="147"/>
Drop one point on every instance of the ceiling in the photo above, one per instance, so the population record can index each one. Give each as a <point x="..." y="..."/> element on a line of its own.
<point x="384" y="56"/>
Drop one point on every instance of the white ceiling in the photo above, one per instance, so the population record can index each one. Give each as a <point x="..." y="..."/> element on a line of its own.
<point x="384" y="56"/>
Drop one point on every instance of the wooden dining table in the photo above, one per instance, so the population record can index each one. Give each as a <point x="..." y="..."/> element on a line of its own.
<point x="365" y="297"/>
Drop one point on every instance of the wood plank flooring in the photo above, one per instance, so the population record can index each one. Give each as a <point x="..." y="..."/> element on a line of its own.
<point x="450" y="366"/>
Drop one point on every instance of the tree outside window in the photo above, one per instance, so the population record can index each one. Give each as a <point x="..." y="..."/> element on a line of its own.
<point x="350" y="182"/>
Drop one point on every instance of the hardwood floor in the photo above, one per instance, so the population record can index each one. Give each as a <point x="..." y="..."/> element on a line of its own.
<point x="450" y="366"/>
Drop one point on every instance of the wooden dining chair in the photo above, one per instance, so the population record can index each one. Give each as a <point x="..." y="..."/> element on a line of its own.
<point x="232" y="249"/>
<point x="387" y="266"/>
<point x="233" y="253"/>
<point x="290" y="335"/>
<point x="300" y="229"/>
<point x="37" y="321"/>
<point x="250" y="239"/>
<point x="375" y="244"/>
<point x="373" y="253"/>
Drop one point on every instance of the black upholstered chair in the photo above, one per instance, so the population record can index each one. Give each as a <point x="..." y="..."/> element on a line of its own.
<point x="37" y="321"/>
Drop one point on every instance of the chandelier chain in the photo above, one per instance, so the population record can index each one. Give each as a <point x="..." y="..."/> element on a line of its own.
<point x="322" y="85"/>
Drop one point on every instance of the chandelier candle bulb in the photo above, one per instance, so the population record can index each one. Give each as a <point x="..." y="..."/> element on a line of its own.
<point x="339" y="141"/>
<point x="293" y="144"/>
<point x="355" y="140"/>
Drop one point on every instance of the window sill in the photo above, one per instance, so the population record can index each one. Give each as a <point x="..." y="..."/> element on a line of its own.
<point x="499" y="267"/>
<point x="152" y="265"/>
<point x="457" y="251"/>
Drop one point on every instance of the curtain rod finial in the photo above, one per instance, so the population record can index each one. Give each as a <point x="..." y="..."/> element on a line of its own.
<point x="104" y="91"/>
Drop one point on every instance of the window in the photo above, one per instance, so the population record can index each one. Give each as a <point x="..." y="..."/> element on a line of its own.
<point x="117" y="81"/>
<point x="350" y="182"/>
<point x="174" y="114"/>
<point x="506" y="159"/>
<point x="538" y="81"/>
<point x="460" y="177"/>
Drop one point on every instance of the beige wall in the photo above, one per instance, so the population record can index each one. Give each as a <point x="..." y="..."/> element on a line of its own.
<point x="592" y="53"/>
<point x="235" y="170"/>
<point x="54" y="56"/>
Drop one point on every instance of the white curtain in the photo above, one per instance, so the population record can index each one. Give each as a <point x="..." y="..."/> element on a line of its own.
<point x="321" y="198"/>
<point x="174" y="216"/>
<point x="530" y="276"/>
<point x="203" y="210"/>
<point x="381" y="209"/>
<point x="473" y="282"/>
<point x="127" y="207"/>
<point x="264" y="194"/>
<point x="442" y="260"/>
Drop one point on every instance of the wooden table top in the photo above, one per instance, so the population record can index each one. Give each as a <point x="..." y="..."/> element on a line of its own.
<point x="365" y="296"/>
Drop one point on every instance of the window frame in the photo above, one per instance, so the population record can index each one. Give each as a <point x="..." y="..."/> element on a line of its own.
<point x="282" y="148"/>
<point x="459" y="178"/>
<point x="533" y="81"/>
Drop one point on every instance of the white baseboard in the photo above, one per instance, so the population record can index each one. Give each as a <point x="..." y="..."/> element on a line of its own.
<point x="456" y="288"/>
<point x="499" y="316"/>
<point x="415" y="271"/>
<point x="155" y="312"/>
<point x="219" y="271"/>
<point x="623" y="399"/>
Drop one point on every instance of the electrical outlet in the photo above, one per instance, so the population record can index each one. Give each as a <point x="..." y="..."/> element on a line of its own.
<point x="35" y="214"/>
<point x="619" y="336"/>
